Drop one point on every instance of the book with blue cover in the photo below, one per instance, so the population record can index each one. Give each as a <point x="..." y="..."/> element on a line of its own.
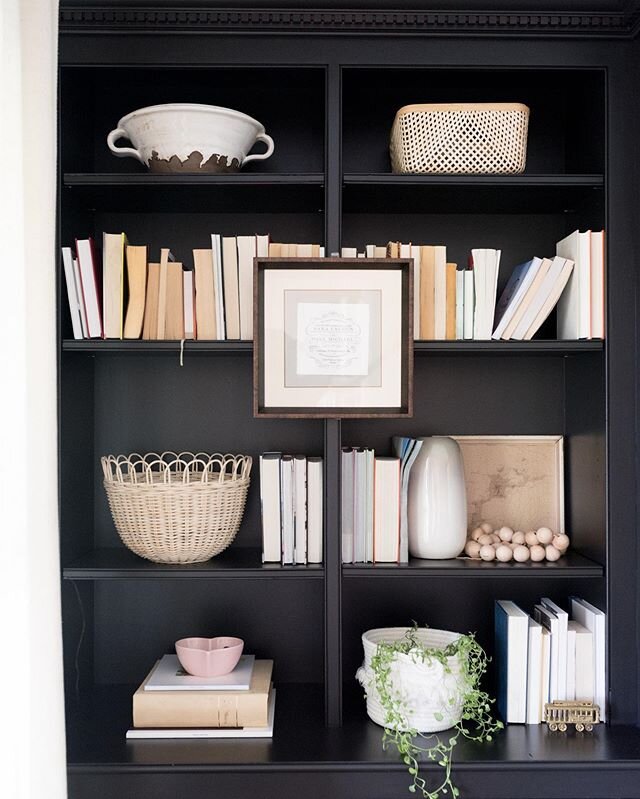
<point x="511" y="648"/>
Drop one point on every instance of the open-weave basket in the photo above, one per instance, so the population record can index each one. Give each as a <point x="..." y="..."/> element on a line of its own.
<point x="431" y="698"/>
<point x="176" y="507"/>
<point x="460" y="138"/>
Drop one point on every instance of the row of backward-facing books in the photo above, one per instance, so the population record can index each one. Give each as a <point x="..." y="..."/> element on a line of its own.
<point x="550" y="655"/>
<point x="458" y="303"/>
<point x="120" y="294"/>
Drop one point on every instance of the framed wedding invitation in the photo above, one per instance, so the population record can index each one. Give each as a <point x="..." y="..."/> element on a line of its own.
<point x="333" y="337"/>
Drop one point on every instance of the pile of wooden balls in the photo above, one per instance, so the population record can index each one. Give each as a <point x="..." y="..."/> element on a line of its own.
<point x="504" y="544"/>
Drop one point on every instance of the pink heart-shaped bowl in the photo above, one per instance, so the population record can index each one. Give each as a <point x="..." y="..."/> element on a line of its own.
<point x="209" y="657"/>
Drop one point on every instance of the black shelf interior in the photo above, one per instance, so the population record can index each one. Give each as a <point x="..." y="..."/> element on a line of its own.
<point x="115" y="563"/>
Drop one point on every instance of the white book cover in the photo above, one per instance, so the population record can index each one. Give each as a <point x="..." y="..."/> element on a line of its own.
<point x="286" y="509"/>
<point x="386" y="510"/>
<point x="594" y="620"/>
<point x="459" y="305"/>
<point x="349" y="252"/>
<point x="369" y="499"/>
<point x="359" y="505"/>
<point x="231" y="286"/>
<point x="545" y="669"/>
<point x="218" y="285"/>
<point x="72" y="295"/>
<point x="549" y="620"/>
<point x="315" y="502"/>
<point x="187" y="294"/>
<point x="597" y="284"/>
<point x="534" y="673"/>
<point x="78" y="284"/>
<point x="90" y="290"/>
<point x="168" y="675"/>
<point x="414" y="251"/>
<point x="321" y="255"/>
<point x="512" y="642"/>
<point x="540" y="298"/>
<point x="270" y="507"/>
<point x="113" y="284"/>
<point x="585" y="676"/>
<point x="347" y="502"/>
<point x="563" y="623"/>
<point x="574" y="307"/>
<point x="571" y="663"/>
<point x="551" y="300"/>
<point x="479" y="258"/>
<point x="370" y="250"/>
<point x="469" y="304"/>
<point x="210" y="732"/>
<point x="486" y="267"/>
<point x="528" y="271"/>
<point x="440" y="292"/>
<point x="262" y="245"/>
<point x="300" y="508"/>
<point x="246" y="254"/>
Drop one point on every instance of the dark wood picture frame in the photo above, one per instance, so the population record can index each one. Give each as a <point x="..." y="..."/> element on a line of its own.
<point x="405" y="409"/>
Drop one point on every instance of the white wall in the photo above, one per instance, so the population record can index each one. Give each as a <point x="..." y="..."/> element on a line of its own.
<point x="31" y="671"/>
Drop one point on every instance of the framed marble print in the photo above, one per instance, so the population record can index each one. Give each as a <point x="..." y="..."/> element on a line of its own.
<point x="333" y="337"/>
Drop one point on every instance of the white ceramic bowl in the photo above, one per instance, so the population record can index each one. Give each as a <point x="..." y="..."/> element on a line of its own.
<point x="190" y="138"/>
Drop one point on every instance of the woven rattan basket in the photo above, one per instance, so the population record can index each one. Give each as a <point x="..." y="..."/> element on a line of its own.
<point x="176" y="508"/>
<point x="460" y="138"/>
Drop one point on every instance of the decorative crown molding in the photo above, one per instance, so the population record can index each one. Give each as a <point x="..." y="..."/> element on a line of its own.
<point x="77" y="19"/>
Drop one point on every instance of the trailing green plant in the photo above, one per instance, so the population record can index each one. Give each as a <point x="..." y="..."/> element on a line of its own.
<point x="476" y="722"/>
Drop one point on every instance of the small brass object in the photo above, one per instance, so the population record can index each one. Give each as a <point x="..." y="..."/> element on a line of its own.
<point x="560" y="713"/>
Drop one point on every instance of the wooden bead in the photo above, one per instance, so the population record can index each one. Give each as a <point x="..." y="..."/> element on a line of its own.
<point x="518" y="538"/>
<point x="487" y="552"/>
<point x="521" y="553"/>
<point x="531" y="539"/>
<point x="485" y="540"/>
<point x="537" y="553"/>
<point x="504" y="553"/>
<point x="545" y="536"/>
<point x="505" y="534"/>
<point x="552" y="553"/>
<point x="486" y="527"/>
<point x="561" y="542"/>
<point x="477" y="533"/>
<point x="495" y="538"/>
<point x="472" y="549"/>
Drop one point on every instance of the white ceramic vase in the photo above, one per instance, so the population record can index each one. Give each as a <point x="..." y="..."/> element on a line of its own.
<point x="437" y="500"/>
<point x="190" y="138"/>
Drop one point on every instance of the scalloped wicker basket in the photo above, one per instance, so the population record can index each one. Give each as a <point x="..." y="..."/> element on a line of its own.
<point x="176" y="507"/>
<point x="460" y="138"/>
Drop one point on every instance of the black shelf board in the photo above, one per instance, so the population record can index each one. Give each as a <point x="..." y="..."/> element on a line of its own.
<point x="118" y="563"/>
<point x="242" y="192"/>
<point x="437" y="194"/>
<point x="351" y="755"/>
<point x="537" y="346"/>
<point x="573" y="564"/>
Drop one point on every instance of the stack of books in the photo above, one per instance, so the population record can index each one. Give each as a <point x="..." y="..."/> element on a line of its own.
<point x="173" y="704"/>
<point x="548" y="656"/>
<point x="291" y="501"/>
<point x="123" y="295"/>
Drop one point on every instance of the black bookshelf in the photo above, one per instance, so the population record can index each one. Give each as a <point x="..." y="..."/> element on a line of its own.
<point x="329" y="101"/>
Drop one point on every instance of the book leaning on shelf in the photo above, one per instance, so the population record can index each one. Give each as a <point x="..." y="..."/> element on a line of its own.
<point x="291" y="506"/>
<point x="548" y="656"/>
<point x="124" y="295"/>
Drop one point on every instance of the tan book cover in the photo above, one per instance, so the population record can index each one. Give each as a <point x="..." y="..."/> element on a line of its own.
<point x="150" y="325"/>
<point x="379" y="252"/>
<point x="393" y="249"/>
<point x="231" y="288"/>
<point x="304" y="250"/>
<point x="315" y="250"/>
<point x="137" y="283"/>
<point x="275" y="249"/>
<point x="206" y="328"/>
<point x="450" y="322"/>
<point x="174" y="304"/>
<point x="206" y="708"/>
<point x="112" y="283"/>
<point x="162" y="295"/>
<point x="427" y="292"/>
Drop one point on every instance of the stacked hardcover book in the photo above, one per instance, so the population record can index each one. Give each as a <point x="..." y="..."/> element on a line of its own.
<point x="173" y="704"/>
<point x="549" y="655"/>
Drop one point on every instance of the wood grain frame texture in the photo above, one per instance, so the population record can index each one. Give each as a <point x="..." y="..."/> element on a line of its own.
<point x="406" y="408"/>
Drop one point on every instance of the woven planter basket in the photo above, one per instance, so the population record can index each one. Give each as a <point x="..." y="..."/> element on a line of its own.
<point x="176" y="508"/>
<point x="460" y="138"/>
<point x="424" y="688"/>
